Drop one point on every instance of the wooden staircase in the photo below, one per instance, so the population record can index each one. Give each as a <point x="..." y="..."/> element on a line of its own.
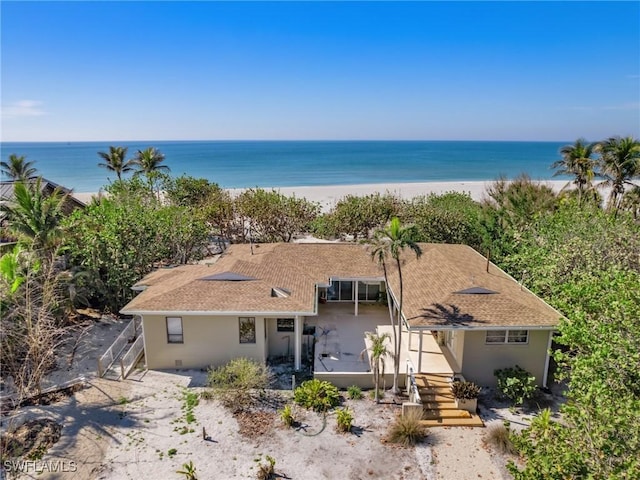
<point x="439" y="405"/>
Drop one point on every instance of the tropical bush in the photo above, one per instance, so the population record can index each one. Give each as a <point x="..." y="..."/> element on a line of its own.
<point x="407" y="429"/>
<point x="236" y="383"/>
<point x="344" y="420"/>
<point x="286" y="415"/>
<point x="317" y="395"/>
<point x="516" y="383"/>
<point x="267" y="471"/>
<point x="372" y="394"/>
<point x="465" y="390"/>
<point x="498" y="436"/>
<point x="188" y="470"/>
<point x="354" y="392"/>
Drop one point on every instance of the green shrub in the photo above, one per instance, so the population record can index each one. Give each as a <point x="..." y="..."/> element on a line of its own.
<point x="286" y="414"/>
<point x="408" y="429"/>
<point x="317" y="395"/>
<point x="465" y="390"/>
<point x="267" y="471"/>
<point x="354" y="392"/>
<point x="206" y="395"/>
<point x="235" y="383"/>
<point x="344" y="419"/>
<point x="372" y="393"/>
<point x="516" y="384"/>
<point x="188" y="470"/>
<point x="499" y="437"/>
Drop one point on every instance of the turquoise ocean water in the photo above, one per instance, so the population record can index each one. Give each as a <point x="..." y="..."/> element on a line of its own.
<point x="237" y="164"/>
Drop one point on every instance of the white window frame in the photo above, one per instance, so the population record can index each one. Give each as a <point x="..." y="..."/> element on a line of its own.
<point x="506" y="337"/>
<point x="175" y="337"/>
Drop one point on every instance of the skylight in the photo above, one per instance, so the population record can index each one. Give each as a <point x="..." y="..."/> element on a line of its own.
<point x="228" y="277"/>
<point x="476" y="291"/>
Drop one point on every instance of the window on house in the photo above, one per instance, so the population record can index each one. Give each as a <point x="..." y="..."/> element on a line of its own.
<point x="174" y="330"/>
<point x="518" y="336"/>
<point x="247" y="329"/>
<point x="507" y="336"/>
<point x="368" y="291"/>
<point x="340" y="291"/>
<point x="285" y="324"/>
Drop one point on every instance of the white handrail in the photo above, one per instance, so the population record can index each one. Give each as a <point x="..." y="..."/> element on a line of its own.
<point x="129" y="360"/>
<point x="116" y="348"/>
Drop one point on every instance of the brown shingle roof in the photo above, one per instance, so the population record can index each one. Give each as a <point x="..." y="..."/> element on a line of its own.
<point x="294" y="267"/>
<point x="434" y="285"/>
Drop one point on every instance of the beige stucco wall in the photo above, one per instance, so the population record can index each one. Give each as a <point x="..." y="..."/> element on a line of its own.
<point x="277" y="346"/>
<point x="480" y="360"/>
<point x="457" y="346"/>
<point x="207" y="341"/>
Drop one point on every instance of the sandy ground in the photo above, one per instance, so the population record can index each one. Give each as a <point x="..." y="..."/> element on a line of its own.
<point x="328" y="195"/>
<point x="116" y="430"/>
<point x="124" y="430"/>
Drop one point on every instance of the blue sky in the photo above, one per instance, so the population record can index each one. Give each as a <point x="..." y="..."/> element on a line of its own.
<point x="319" y="70"/>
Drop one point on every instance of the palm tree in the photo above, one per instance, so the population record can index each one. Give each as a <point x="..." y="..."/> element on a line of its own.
<point x="397" y="238"/>
<point x="36" y="217"/>
<point x="377" y="352"/>
<point x="17" y="168"/>
<point x="576" y="161"/>
<point x="114" y="161"/>
<point x="380" y="250"/>
<point x="619" y="163"/>
<point x="631" y="202"/>
<point x="148" y="161"/>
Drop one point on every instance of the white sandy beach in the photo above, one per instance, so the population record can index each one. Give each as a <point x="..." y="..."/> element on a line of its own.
<point x="328" y="195"/>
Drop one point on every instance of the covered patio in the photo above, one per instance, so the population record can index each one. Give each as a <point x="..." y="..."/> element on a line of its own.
<point x="340" y="335"/>
<point x="340" y="339"/>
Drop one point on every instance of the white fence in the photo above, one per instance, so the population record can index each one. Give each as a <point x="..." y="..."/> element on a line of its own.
<point x="116" y="348"/>
<point x="129" y="360"/>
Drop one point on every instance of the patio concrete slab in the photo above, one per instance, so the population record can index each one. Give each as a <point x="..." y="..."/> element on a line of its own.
<point x="340" y="340"/>
<point x="340" y="335"/>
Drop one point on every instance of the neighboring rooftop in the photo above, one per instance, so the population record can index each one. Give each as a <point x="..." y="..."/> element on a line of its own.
<point x="46" y="187"/>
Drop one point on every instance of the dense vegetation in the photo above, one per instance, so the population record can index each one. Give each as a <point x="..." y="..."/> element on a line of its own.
<point x="576" y="249"/>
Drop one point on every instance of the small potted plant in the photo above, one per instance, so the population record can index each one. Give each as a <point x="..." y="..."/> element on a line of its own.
<point x="466" y="395"/>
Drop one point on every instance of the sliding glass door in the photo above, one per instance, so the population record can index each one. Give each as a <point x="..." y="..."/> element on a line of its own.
<point x="340" y="291"/>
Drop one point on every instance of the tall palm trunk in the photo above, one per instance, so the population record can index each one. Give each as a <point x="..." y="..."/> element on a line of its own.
<point x="393" y="326"/>
<point x="396" y="366"/>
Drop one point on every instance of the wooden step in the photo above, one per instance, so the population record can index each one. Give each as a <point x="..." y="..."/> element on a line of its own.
<point x="474" y="421"/>
<point x="452" y="413"/>
<point x="437" y="397"/>
<point x="439" y="406"/>
<point x="437" y="389"/>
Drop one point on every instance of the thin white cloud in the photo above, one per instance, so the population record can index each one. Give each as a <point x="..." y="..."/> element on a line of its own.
<point x="23" y="108"/>
<point x="587" y="108"/>
<point x="624" y="106"/>
<point x="580" y="108"/>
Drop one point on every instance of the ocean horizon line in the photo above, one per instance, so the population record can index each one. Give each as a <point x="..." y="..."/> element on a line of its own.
<point x="272" y="140"/>
<point x="284" y="163"/>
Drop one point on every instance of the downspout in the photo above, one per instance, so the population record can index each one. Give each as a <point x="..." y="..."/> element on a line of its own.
<point x="546" y="360"/>
<point x="144" y="342"/>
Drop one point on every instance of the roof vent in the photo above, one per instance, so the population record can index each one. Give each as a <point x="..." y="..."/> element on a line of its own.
<point x="228" y="277"/>
<point x="475" y="291"/>
<point x="280" y="292"/>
